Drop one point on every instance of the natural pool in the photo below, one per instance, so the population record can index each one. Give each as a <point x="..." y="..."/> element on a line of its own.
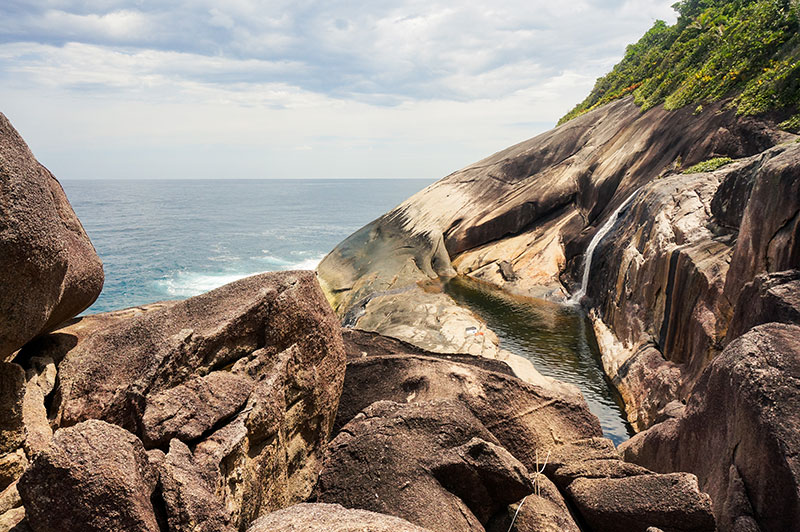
<point x="558" y="339"/>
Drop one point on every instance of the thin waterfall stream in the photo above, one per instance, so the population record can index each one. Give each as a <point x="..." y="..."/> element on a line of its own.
<point x="598" y="237"/>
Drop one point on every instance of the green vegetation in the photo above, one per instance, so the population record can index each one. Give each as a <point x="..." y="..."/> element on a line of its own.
<point x="745" y="49"/>
<point x="709" y="165"/>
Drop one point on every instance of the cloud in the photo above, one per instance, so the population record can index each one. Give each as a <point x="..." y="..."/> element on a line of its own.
<point x="447" y="81"/>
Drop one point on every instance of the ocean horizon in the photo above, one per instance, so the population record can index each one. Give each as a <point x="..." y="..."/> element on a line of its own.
<point x="163" y="239"/>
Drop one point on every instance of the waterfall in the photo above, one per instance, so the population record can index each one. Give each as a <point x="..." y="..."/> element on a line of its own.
<point x="598" y="236"/>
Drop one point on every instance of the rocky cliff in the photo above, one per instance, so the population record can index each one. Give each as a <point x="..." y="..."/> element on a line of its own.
<point x="672" y="282"/>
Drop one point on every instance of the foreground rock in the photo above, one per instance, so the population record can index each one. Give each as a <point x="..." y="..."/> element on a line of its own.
<point x="247" y="376"/>
<point x="49" y="271"/>
<point x="93" y="477"/>
<point x="330" y="518"/>
<point x="740" y="432"/>
<point x="526" y="419"/>
<point x="432" y="463"/>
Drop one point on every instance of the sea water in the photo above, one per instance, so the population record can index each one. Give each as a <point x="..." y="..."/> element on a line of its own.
<point x="174" y="239"/>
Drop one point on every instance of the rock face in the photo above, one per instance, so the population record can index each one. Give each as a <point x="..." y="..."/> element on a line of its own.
<point x="49" y="271"/>
<point x="739" y="432"/>
<point x="239" y="385"/>
<point x="94" y="477"/>
<point x="330" y="518"/>
<point x="432" y="463"/>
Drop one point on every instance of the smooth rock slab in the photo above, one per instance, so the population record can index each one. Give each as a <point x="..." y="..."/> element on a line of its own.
<point x="321" y="517"/>
<point x="93" y="477"/>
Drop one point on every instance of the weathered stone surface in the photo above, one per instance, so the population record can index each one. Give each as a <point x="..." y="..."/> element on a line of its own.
<point x="743" y="412"/>
<point x="432" y="463"/>
<point x="773" y="297"/>
<point x="14" y="520"/>
<point x="544" y="510"/>
<point x="12" y="465"/>
<point x="49" y="270"/>
<point x="526" y="419"/>
<point x="603" y="468"/>
<point x="190" y="503"/>
<point x="671" y="502"/>
<point x="39" y="383"/>
<point x="9" y="498"/>
<point x="12" y="394"/>
<point x="94" y="476"/>
<point x="322" y="517"/>
<point x="188" y="410"/>
<point x="769" y="235"/>
<point x="249" y="375"/>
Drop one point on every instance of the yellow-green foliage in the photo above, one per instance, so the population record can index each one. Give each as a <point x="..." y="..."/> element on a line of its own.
<point x="708" y="166"/>
<point x="749" y="49"/>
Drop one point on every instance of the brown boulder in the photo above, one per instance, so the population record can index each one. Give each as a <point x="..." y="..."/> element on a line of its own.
<point x="670" y="502"/>
<point x="321" y="517"/>
<point x="94" y="476"/>
<point x="432" y="463"/>
<point x="189" y="500"/>
<point x="525" y="419"/>
<point x="188" y="410"/>
<point x="248" y="375"/>
<point x="49" y="269"/>
<point x="743" y="412"/>
<point x="12" y="394"/>
<point x="544" y="510"/>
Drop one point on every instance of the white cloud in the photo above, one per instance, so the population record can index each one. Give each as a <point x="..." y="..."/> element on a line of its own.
<point x="411" y="88"/>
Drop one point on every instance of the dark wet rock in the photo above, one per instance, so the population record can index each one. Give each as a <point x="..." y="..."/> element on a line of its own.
<point x="188" y="410"/>
<point x="49" y="270"/>
<point x="189" y="501"/>
<point x="320" y="517"/>
<point x="739" y="432"/>
<point x="544" y="510"/>
<point x="404" y="460"/>
<point x="526" y="419"/>
<point x="94" y="476"/>
<point x="671" y="502"/>
<point x="773" y="297"/>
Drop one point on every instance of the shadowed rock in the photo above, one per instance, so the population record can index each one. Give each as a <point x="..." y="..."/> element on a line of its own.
<point x="321" y="517"/>
<point x="544" y="510"/>
<point x="93" y="477"/>
<point x="739" y="432"/>
<point x="49" y="271"/>
<point x="773" y="297"/>
<point x="432" y="463"/>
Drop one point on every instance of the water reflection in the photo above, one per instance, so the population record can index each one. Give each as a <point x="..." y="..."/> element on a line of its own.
<point x="558" y="339"/>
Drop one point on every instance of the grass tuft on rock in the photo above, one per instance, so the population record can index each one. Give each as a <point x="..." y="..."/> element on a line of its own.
<point x="709" y="165"/>
<point x="745" y="49"/>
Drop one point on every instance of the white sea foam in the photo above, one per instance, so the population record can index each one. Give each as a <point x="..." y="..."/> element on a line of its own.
<point x="188" y="284"/>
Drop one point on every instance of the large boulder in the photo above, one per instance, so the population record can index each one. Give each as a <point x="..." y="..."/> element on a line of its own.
<point x="49" y="270"/>
<point x="322" y="517"/>
<point x="248" y="376"/>
<point x="770" y="297"/>
<point x="739" y="432"/>
<point x="432" y="463"/>
<point x="526" y="419"/>
<point x="671" y="503"/>
<point x="94" y="477"/>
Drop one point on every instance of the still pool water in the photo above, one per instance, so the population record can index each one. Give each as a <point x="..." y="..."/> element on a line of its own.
<point x="558" y="339"/>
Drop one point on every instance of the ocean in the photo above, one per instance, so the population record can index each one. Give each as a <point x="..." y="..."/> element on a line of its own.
<point x="172" y="239"/>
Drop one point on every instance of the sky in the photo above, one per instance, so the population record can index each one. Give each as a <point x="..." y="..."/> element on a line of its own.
<point x="159" y="89"/>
